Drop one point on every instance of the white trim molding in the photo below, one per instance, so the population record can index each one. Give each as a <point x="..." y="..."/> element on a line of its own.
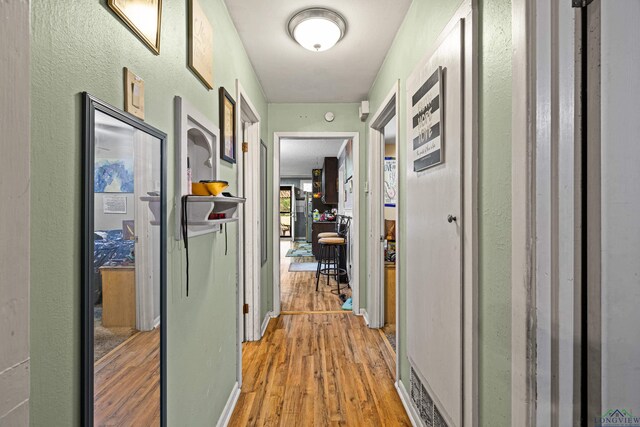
<point x="405" y="398"/>
<point x="365" y="315"/>
<point x="227" y="411"/>
<point x="248" y="121"/>
<point x="355" y="222"/>
<point x="388" y="111"/>
<point x="265" y="323"/>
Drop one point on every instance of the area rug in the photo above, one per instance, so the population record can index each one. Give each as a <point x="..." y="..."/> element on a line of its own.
<point x="296" y="267"/>
<point x="106" y="339"/>
<point x="303" y="249"/>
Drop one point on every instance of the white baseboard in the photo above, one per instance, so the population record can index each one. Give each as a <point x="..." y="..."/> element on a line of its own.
<point x="225" y="417"/>
<point x="363" y="313"/>
<point x="414" y="417"/>
<point x="265" y="322"/>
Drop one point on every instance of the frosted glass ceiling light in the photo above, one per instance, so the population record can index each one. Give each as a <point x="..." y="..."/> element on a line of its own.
<point x="317" y="29"/>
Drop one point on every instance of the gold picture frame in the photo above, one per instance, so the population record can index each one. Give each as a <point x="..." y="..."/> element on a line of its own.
<point x="200" y="44"/>
<point x="143" y="17"/>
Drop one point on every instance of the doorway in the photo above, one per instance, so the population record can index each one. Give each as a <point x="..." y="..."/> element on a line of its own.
<point x="286" y="212"/>
<point x="304" y="215"/>
<point x="383" y="229"/>
<point x="311" y="211"/>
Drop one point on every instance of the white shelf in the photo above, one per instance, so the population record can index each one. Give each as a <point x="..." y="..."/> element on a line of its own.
<point x="197" y="140"/>
<point x="214" y="222"/>
<point x="200" y="207"/>
<point x="217" y="200"/>
<point x="154" y="207"/>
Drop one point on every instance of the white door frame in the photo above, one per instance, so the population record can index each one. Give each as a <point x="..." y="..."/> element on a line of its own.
<point x="389" y="109"/>
<point x="355" y="273"/>
<point x="546" y="280"/>
<point x="248" y="121"/>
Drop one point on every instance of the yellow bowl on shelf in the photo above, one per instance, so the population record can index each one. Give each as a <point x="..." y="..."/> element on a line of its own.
<point x="215" y="187"/>
<point x="199" y="189"/>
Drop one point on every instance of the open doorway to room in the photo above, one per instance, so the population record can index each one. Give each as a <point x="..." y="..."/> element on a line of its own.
<point x="390" y="215"/>
<point x="383" y="225"/>
<point x="317" y="191"/>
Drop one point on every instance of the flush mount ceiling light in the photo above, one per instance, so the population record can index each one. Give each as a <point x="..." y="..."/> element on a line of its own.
<point x="317" y="29"/>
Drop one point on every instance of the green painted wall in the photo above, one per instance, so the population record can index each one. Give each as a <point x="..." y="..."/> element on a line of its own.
<point x="495" y="212"/>
<point x="310" y="118"/>
<point x="81" y="46"/>
<point x="422" y="26"/>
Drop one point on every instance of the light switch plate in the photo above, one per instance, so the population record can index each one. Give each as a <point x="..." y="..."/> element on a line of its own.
<point x="133" y="94"/>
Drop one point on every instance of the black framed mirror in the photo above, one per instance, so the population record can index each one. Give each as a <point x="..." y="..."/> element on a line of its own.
<point x="124" y="280"/>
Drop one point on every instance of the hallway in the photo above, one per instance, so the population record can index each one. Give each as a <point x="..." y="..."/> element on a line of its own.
<point x="317" y="368"/>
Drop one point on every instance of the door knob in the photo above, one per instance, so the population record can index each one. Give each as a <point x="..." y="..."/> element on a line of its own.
<point x="451" y="218"/>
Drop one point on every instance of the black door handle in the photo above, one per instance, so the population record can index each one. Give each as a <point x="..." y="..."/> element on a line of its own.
<point x="451" y="218"/>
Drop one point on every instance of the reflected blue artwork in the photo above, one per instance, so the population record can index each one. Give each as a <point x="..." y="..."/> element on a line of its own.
<point x="113" y="176"/>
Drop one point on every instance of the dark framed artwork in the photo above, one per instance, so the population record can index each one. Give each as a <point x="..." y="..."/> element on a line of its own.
<point x="227" y="126"/>
<point x="144" y="17"/>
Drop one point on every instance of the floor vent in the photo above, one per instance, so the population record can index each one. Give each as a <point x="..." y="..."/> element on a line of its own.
<point x="423" y="403"/>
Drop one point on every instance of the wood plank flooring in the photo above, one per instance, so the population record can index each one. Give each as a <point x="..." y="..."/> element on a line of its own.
<point x="317" y="366"/>
<point x="318" y="370"/>
<point x="298" y="290"/>
<point x="127" y="383"/>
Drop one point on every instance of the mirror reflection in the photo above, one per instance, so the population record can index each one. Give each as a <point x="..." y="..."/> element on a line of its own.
<point x="126" y="274"/>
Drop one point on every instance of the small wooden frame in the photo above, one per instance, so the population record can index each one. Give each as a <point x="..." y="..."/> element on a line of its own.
<point x="200" y="44"/>
<point x="133" y="94"/>
<point x="227" y="126"/>
<point x="144" y="17"/>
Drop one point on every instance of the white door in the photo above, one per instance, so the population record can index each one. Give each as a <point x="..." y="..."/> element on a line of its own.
<point x="434" y="226"/>
<point x="613" y="96"/>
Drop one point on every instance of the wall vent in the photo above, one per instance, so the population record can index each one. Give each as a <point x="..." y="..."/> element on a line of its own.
<point x="423" y="403"/>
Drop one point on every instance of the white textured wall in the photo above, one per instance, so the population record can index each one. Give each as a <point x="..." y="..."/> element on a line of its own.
<point x="14" y="212"/>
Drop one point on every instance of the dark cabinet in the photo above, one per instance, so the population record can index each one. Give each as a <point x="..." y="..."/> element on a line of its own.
<point x="330" y="181"/>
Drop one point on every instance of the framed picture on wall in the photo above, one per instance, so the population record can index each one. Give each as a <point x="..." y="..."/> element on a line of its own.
<point x="390" y="182"/>
<point x="227" y="126"/>
<point x="200" y="44"/>
<point x="143" y="17"/>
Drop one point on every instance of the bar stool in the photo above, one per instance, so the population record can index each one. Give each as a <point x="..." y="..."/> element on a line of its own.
<point x="330" y="249"/>
<point x="342" y="227"/>
<point x="342" y="230"/>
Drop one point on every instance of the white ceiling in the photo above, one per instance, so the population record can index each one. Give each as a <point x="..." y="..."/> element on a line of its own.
<point x="290" y="73"/>
<point x="299" y="156"/>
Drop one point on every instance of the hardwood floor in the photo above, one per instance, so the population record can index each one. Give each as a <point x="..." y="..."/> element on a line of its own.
<point x="298" y="289"/>
<point x="318" y="368"/>
<point x="127" y="383"/>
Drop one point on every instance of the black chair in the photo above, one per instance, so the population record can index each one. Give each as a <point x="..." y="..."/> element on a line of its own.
<point x="333" y="246"/>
